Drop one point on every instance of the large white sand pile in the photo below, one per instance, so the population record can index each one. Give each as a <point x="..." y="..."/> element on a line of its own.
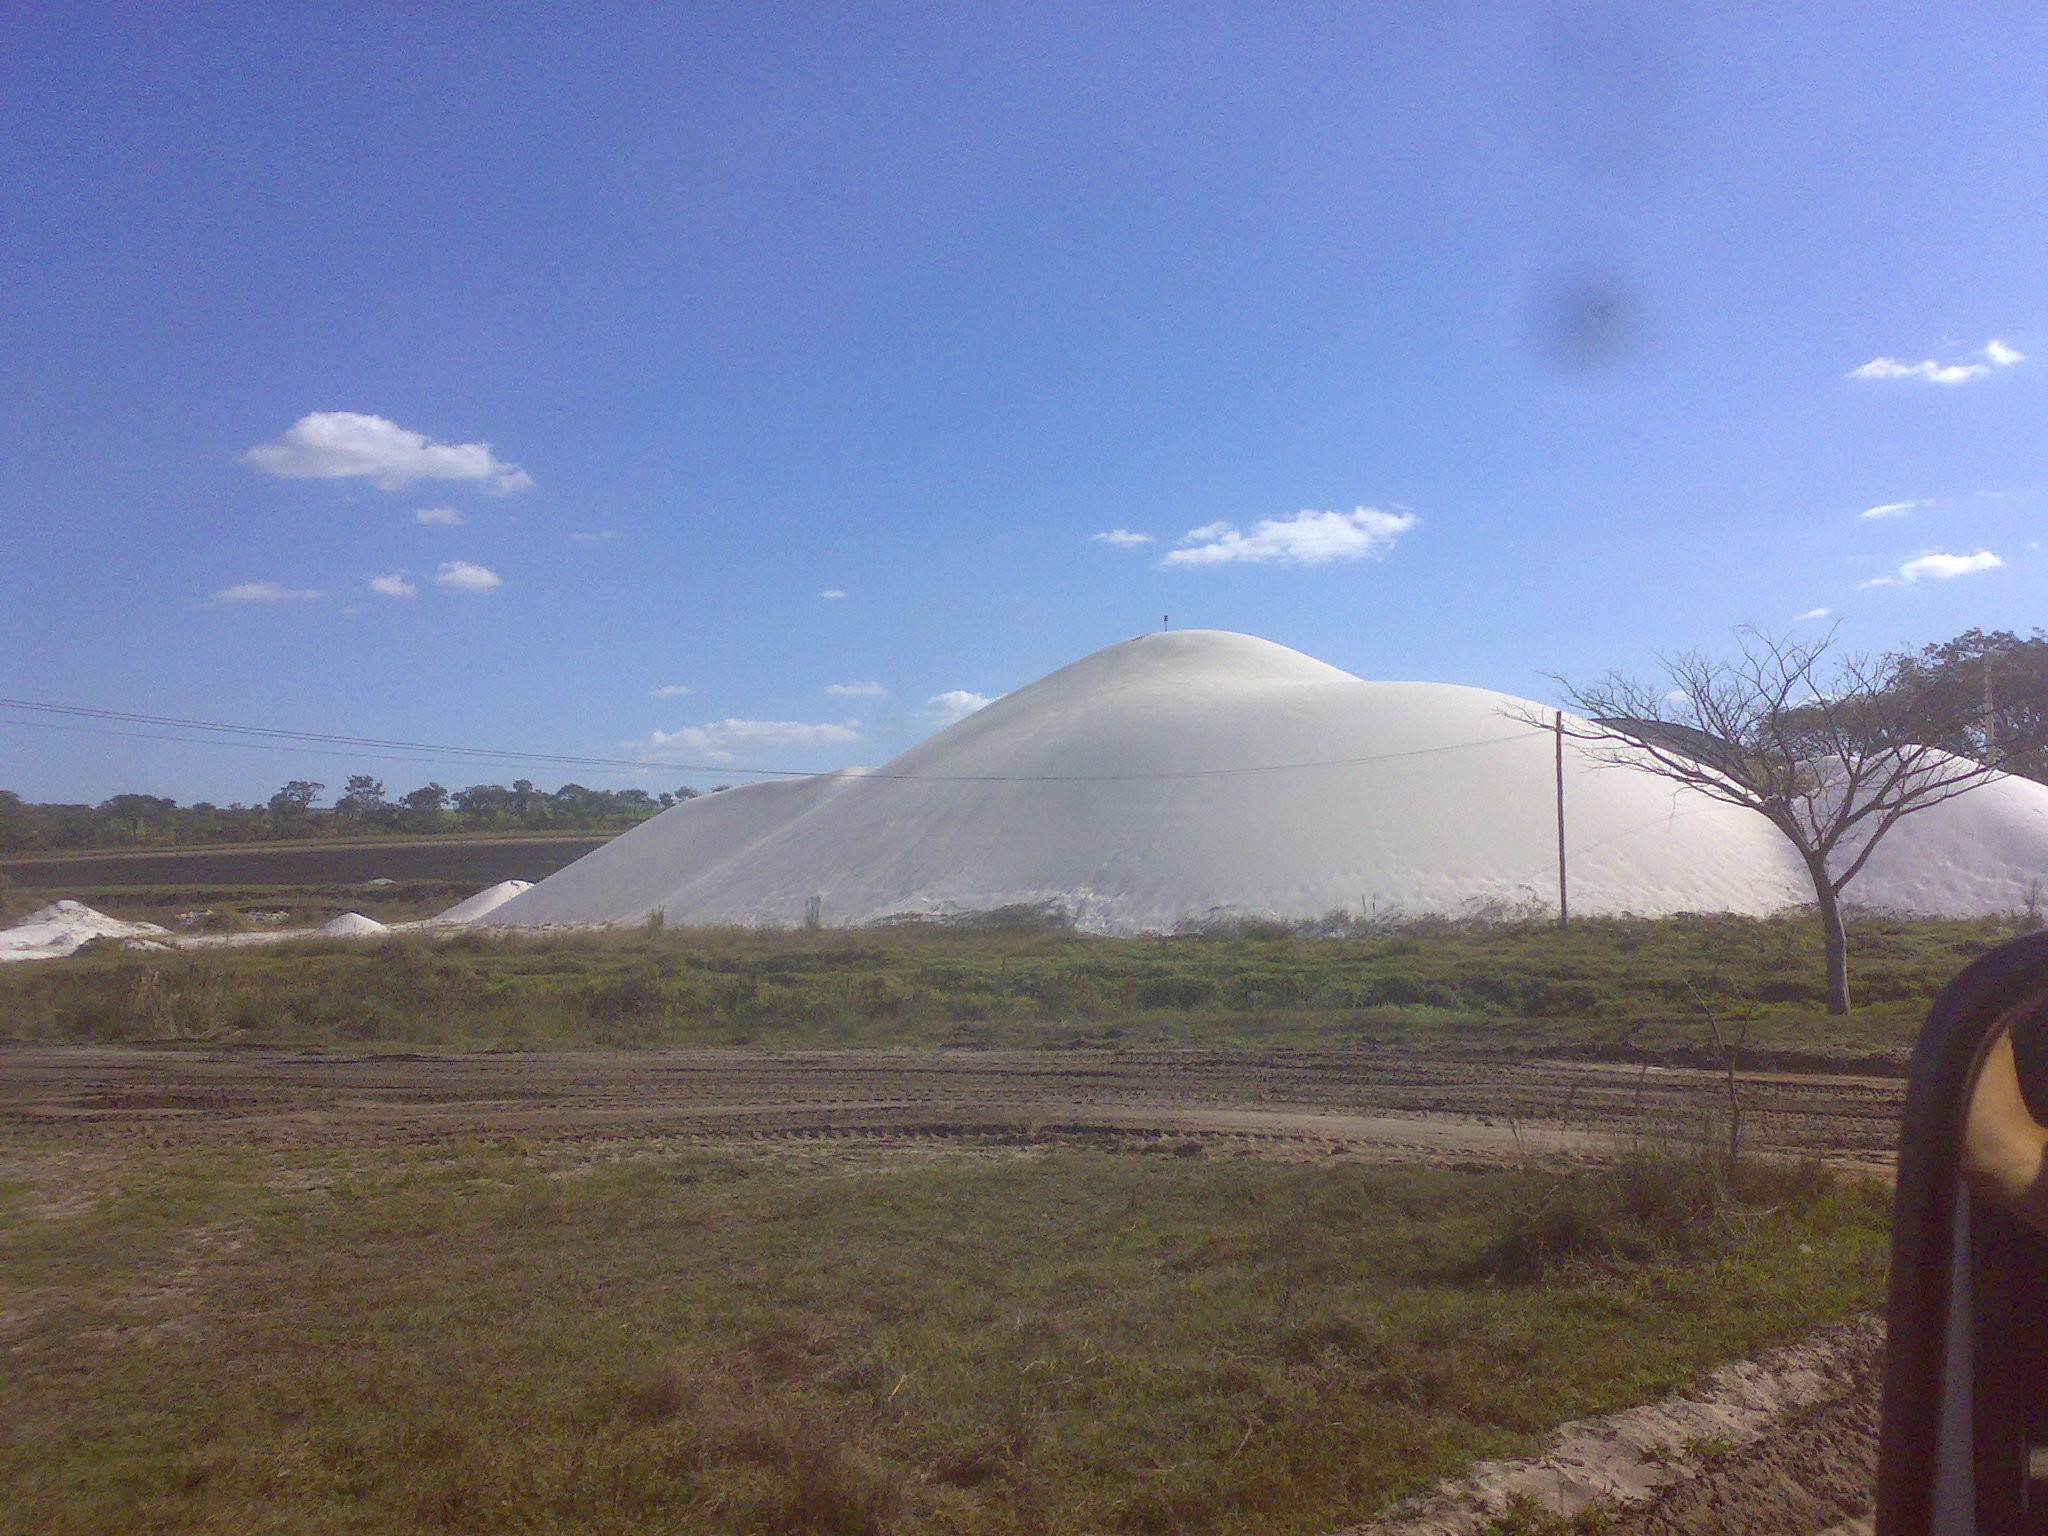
<point x="1981" y="854"/>
<point x="488" y="900"/>
<point x="1179" y="777"/>
<point x="350" y="925"/>
<point x="51" y="932"/>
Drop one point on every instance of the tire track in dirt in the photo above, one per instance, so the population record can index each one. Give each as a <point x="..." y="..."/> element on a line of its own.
<point x="1370" y="1104"/>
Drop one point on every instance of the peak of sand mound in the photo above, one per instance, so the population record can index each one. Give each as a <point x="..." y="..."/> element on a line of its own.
<point x="350" y="925"/>
<point x="487" y="900"/>
<point x="1180" y="778"/>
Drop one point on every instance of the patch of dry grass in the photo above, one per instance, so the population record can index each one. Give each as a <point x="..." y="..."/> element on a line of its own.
<point x="528" y="1338"/>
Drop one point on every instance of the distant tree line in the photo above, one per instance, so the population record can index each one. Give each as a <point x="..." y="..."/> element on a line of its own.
<point x="362" y="809"/>
<point x="1997" y="684"/>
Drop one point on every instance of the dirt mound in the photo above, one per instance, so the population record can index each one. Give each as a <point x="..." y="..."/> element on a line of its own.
<point x="1810" y="1475"/>
<point x="1786" y="1442"/>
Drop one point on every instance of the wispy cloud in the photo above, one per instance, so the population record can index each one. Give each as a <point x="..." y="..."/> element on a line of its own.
<point x="1996" y="354"/>
<point x="955" y="705"/>
<point x="1938" y="567"/>
<point x="439" y="517"/>
<point x="670" y="691"/>
<point x="602" y="536"/>
<point x="832" y="594"/>
<point x="856" y="690"/>
<point x="1307" y="538"/>
<point x="1122" y="538"/>
<point x="722" y="740"/>
<point x="1889" y="509"/>
<point x="1813" y="613"/>
<point x="394" y="585"/>
<point x="342" y="445"/>
<point x="267" y="592"/>
<point x="461" y="576"/>
<point x="1932" y="372"/>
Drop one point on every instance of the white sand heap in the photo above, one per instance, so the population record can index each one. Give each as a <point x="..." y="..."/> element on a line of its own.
<point x="483" y="901"/>
<point x="350" y="925"/>
<point x="1181" y="777"/>
<point x="51" y="932"/>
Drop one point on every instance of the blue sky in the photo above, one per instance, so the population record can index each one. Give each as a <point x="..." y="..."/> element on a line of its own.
<point x="455" y="375"/>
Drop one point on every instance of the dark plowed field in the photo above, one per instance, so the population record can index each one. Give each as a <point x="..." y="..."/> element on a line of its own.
<point x="471" y="861"/>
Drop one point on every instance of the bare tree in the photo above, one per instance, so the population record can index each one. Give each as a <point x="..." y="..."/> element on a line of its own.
<point x="1818" y="743"/>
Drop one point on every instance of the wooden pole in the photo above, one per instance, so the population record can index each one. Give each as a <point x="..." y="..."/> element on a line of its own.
<point x="1564" y="908"/>
<point x="1990" y="714"/>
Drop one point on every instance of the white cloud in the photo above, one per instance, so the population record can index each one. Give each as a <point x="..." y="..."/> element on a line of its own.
<point x="1122" y="538"/>
<point x="267" y="592"/>
<point x="394" y="585"/>
<point x="604" y="536"/>
<point x="832" y="594"/>
<point x="341" y="445"/>
<point x="1932" y="372"/>
<point x="670" y="691"/>
<point x="719" y="741"/>
<point x="1890" y="509"/>
<point x="1947" y="567"/>
<point x="1307" y="538"/>
<point x="955" y="705"/>
<point x="856" y="690"/>
<point x="461" y="576"/>
<point x="1813" y="613"/>
<point x="439" y="517"/>
<point x="1938" y="567"/>
<point x="1997" y="353"/>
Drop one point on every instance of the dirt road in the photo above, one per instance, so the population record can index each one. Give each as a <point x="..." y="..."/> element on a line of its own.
<point x="1373" y="1105"/>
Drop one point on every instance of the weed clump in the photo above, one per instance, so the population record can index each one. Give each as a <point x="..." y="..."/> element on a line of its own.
<point x="1672" y="1202"/>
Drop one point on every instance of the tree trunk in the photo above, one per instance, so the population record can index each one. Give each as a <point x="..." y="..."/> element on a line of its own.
<point x="1834" y="935"/>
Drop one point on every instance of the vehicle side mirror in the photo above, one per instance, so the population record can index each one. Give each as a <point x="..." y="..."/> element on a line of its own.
<point x="1963" y="1446"/>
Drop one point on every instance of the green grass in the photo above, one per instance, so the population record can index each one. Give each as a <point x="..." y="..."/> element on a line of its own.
<point x="525" y="1337"/>
<point x="1604" y="985"/>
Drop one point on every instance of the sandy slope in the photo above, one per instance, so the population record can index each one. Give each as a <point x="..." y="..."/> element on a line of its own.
<point x="1177" y="777"/>
<point x="51" y="932"/>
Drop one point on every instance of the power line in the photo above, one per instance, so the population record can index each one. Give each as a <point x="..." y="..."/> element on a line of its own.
<point x="253" y="746"/>
<point x="434" y="750"/>
<point x="278" y="739"/>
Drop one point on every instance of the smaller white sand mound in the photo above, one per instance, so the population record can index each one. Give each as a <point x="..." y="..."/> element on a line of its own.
<point x="484" y="901"/>
<point x="350" y="925"/>
<point x="51" y="932"/>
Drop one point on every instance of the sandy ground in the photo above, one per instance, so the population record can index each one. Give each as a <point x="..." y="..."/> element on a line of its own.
<point x="1785" y="1443"/>
<point x="1794" y="1438"/>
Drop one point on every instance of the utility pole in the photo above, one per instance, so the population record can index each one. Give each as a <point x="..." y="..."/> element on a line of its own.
<point x="1990" y="712"/>
<point x="1564" y="907"/>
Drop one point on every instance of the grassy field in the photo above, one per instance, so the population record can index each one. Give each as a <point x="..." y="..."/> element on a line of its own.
<point x="1607" y="985"/>
<point x="526" y="1337"/>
